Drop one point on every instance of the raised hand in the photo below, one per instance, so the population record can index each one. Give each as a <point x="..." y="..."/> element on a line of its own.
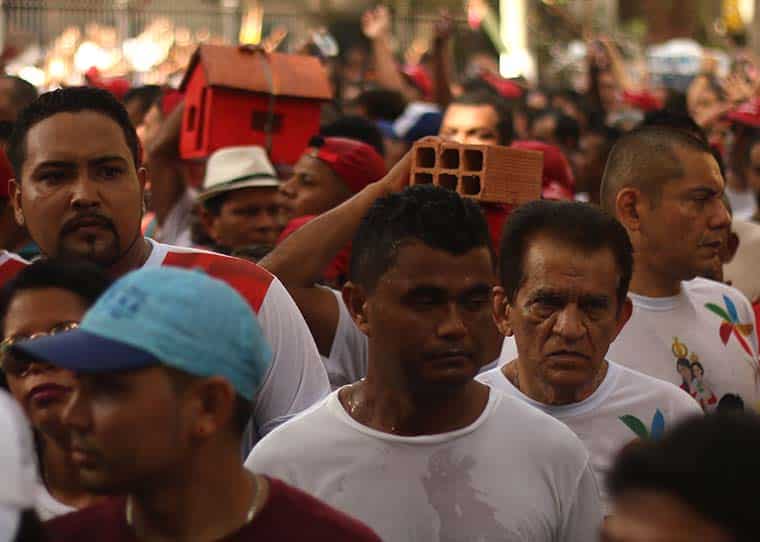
<point x="376" y="23"/>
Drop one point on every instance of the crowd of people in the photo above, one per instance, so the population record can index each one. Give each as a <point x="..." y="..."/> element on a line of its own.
<point x="243" y="350"/>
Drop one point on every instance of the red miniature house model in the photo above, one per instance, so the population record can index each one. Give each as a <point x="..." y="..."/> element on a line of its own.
<point x="244" y="96"/>
<point x="488" y="173"/>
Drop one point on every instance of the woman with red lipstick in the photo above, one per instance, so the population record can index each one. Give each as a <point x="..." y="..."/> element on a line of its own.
<point x="45" y="298"/>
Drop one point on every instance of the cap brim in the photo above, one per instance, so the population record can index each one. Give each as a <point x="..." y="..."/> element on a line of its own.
<point x="84" y="352"/>
<point x="252" y="183"/>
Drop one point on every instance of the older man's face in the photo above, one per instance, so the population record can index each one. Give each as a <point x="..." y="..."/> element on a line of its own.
<point x="565" y="313"/>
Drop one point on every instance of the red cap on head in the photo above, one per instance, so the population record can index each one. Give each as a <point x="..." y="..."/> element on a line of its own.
<point x="356" y="163"/>
<point x="558" y="181"/>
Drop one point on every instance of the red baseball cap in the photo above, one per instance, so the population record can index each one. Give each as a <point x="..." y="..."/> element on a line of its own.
<point x="356" y="163"/>
<point x="558" y="181"/>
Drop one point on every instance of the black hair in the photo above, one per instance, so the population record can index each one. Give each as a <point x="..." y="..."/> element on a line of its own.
<point x="683" y="362"/>
<point x="147" y="95"/>
<point x="567" y="130"/>
<point x="696" y="462"/>
<point x="357" y="128"/>
<point x="580" y="225"/>
<point x="505" y="126"/>
<point x="23" y="92"/>
<point x="646" y="158"/>
<point x="437" y="217"/>
<point x="69" y="100"/>
<point x="676" y="120"/>
<point x="730" y="402"/>
<point x="382" y="104"/>
<point x="214" y="204"/>
<point x="85" y="279"/>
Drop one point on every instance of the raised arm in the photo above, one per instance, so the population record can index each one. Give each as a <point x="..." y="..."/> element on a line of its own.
<point x="164" y="165"/>
<point x="376" y="25"/>
<point x="299" y="261"/>
<point x="442" y="55"/>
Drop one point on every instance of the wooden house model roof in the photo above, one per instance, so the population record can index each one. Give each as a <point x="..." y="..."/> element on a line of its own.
<point x="281" y="74"/>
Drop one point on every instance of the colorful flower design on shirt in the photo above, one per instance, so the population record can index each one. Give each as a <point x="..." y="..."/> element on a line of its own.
<point x="731" y="325"/>
<point x="654" y="432"/>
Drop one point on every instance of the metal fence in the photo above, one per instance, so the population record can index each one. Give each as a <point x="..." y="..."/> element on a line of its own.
<point x="41" y="21"/>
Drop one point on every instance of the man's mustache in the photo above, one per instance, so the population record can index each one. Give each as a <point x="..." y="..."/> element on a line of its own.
<point x="87" y="220"/>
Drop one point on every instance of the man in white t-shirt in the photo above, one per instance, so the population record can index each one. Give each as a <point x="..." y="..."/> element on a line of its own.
<point x="563" y="298"/>
<point x="666" y="188"/>
<point x="79" y="191"/>
<point x="419" y="450"/>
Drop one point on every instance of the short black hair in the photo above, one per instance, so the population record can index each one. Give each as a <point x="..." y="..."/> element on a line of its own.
<point x="214" y="204"/>
<point x="580" y="225"/>
<point x="646" y="158"/>
<point x="683" y="362"/>
<point x="85" y="279"/>
<point x="147" y="95"/>
<point x="505" y="126"/>
<point x="69" y="100"/>
<point x="382" y="103"/>
<point x="356" y="128"/>
<point x="696" y="462"/>
<point x="437" y="217"/>
<point x="567" y="130"/>
<point x="23" y="92"/>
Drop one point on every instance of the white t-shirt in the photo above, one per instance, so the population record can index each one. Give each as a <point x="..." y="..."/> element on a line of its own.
<point x="706" y="323"/>
<point x="514" y="474"/>
<point x="347" y="361"/>
<point x="626" y="406"/>
<point x="296" y="378"/>
<point x="743" y="204"/>
<point x="743" y="270"/>
<point x="47" y="506"/>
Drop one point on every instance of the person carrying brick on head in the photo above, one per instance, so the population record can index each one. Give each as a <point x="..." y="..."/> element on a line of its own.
<point x="328" y="173"/>
<point x="563" y="297"/>
<point x="79" y="190"/>
<point x="239" y="199"/>
<point x="665" y="187"/>
<point x="300" y="261"/>
<point x="418" y="449"/>
<point x="168" y="362"/>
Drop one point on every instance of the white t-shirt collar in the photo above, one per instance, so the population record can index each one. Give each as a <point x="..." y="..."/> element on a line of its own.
<point x="336" y="408"/>
<point x="590" y="403"/>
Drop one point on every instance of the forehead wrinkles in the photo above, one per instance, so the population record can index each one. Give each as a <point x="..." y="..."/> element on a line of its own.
<point x="569" y="270"/>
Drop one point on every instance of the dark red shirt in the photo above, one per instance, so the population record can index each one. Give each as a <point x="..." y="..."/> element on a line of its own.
<point x="288" y="515"/>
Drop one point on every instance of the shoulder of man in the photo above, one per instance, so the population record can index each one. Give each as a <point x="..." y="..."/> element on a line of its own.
<point x="249" y="279"/>
<point x="311" y="519"/>
<point x="104" y="521"/>
<point x="660" y="393"/>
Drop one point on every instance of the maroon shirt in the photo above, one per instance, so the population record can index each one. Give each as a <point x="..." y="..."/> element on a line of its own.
<point x="288" y="515"/>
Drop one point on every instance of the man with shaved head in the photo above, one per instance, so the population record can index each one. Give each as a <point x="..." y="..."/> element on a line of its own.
<point x="665" y="187"/>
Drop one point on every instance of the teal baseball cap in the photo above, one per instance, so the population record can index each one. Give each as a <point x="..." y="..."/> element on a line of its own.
<point x="169" y="316"/>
